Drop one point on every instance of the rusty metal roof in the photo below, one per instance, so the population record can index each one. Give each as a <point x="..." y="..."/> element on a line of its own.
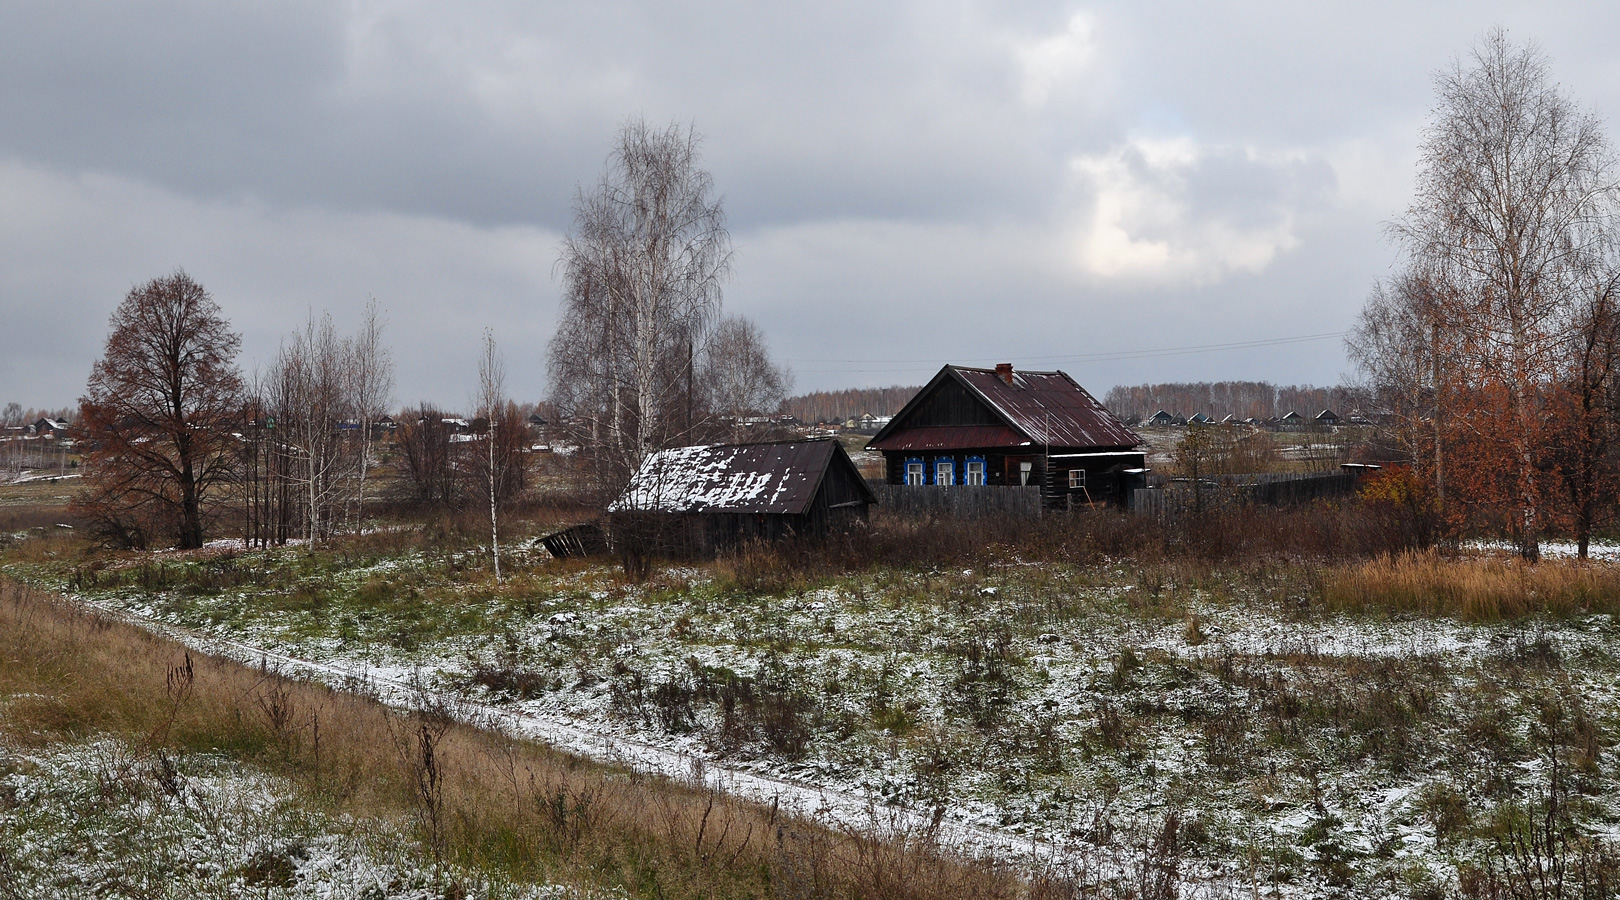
<point x="778" y="478"/>
<point x="1041" y="408"/>
<point x="951" y="437"/>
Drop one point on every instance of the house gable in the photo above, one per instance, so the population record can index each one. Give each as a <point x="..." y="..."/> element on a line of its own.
<point x="947" y="404"/>
<point x="964" y="407"/>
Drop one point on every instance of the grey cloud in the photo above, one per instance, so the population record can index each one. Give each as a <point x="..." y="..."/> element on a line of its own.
<point x="495" y="115"/>
<point x="897" y="188"/>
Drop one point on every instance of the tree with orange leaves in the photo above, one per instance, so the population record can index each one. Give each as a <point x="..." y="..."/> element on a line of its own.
<point x="1515" y="199"/>
<point x="158" y="413"/>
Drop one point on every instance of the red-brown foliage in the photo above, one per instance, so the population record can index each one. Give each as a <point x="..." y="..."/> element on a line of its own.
<point x="158" y="413"/>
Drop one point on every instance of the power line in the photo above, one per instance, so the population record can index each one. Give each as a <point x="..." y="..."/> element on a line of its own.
<point x="1104" y="356"/>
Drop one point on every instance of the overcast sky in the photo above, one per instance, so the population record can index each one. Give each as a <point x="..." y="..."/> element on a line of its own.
<point x="907" y="184"/>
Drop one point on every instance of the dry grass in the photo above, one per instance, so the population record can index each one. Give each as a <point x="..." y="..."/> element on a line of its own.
<point x="1476" y="589"/>
<point x="1321" y="532"/>
<point x="480" y="799"/>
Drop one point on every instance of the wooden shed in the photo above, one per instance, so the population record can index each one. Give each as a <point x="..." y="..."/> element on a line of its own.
<point x="700" y="499"/>
<point x="999" y="426"/>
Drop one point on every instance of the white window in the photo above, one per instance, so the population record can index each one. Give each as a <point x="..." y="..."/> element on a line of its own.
<point x="914" y="473"/>
<point x="1077" y="478"/>
<point x="975" y="472"/>
<point x="944" y="472"/>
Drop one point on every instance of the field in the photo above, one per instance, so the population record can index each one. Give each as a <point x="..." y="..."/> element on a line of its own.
<point x="1275" y="726"/>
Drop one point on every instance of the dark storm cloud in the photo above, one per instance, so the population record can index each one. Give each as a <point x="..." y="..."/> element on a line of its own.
<point x="907" y="182"/>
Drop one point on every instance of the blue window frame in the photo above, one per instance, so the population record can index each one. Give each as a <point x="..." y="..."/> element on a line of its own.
<point x="944" y="470"/>
<point x="974" y="471"/>
<point x="915" y="472"/>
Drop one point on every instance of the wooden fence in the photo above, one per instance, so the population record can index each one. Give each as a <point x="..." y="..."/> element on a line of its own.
<point x="962" y="501"/>
<point x="1272" y="489"/>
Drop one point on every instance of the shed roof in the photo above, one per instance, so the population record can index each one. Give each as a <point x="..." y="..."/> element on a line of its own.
<point x="777" y="478"/>
<point x="1040" y="408"/>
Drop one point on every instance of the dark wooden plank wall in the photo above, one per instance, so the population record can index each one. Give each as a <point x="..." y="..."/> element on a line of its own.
<point x="950" y="404"/>
<point x="960" y="501"/>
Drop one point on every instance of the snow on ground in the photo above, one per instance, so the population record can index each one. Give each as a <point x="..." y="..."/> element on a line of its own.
<point x="1597" y="550"/>
<point x="101" y="819"/>
<point x="1043" y="713"/>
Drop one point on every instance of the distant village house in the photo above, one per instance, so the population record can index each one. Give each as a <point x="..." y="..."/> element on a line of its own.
<point x="971" y="426"/>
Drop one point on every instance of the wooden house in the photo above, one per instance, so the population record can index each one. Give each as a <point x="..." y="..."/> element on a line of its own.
<point x="699" y="499"/>
<point x="1199" y="419"/>
<point x="1328" y="418"/>
<point x="998" y="426"/>
<point x="1161" y="419"/>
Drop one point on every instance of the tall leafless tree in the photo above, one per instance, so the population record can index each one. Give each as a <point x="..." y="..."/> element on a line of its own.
<point x="158" y="412"/>
<point x="371" y="387"/>
<point x="311" y="394"/>
<point x="425" y="456"/>
<point x="738" y="377"/>
<point x="642" y="272"/>
<point x="491" y="402"/>
<point x="1586" y="408"/>
<point x="1512" y="186"/>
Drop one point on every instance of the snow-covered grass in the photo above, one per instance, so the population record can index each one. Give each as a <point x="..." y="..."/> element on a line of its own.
<point x="502" y="808"/>
<point x="1076" y="706"/>
<point x="104" y="819"/>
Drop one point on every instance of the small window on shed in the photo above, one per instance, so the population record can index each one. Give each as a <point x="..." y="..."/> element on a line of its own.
<point x="975" y="472"/>
<point x="945" y="472"/>
<point x="1077" y="478"/>
<point x="914" y="472"/>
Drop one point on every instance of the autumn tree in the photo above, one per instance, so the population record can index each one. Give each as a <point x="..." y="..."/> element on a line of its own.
<point x="1514" y="184"/>
<point x="158" y="412"/>
<point x="1196" y="457"/>
<point x="642" y="271"/>
<point x="1586" y="404"/>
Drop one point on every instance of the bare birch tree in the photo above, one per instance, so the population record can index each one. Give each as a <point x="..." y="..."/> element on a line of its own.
<point x="1404" y="354"/>
<point x="642" y="272"/>
<point x="371" y="373"/>
<point x="738" y="378"/>
<point x="310" y="391"/>
<point x="1513" y="179"/>
<point x="491" y="402"/>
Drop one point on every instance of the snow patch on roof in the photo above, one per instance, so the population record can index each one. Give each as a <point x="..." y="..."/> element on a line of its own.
<point x="760" y="478"/>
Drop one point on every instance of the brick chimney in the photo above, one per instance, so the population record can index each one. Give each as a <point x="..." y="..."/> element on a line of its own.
<point x="1004" y="372"/>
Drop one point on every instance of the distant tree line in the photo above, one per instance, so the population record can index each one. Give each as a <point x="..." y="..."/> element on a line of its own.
<point x="15" y="415"/>
<point x="851" y="403"/>
<point x="1244" y="399"/>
